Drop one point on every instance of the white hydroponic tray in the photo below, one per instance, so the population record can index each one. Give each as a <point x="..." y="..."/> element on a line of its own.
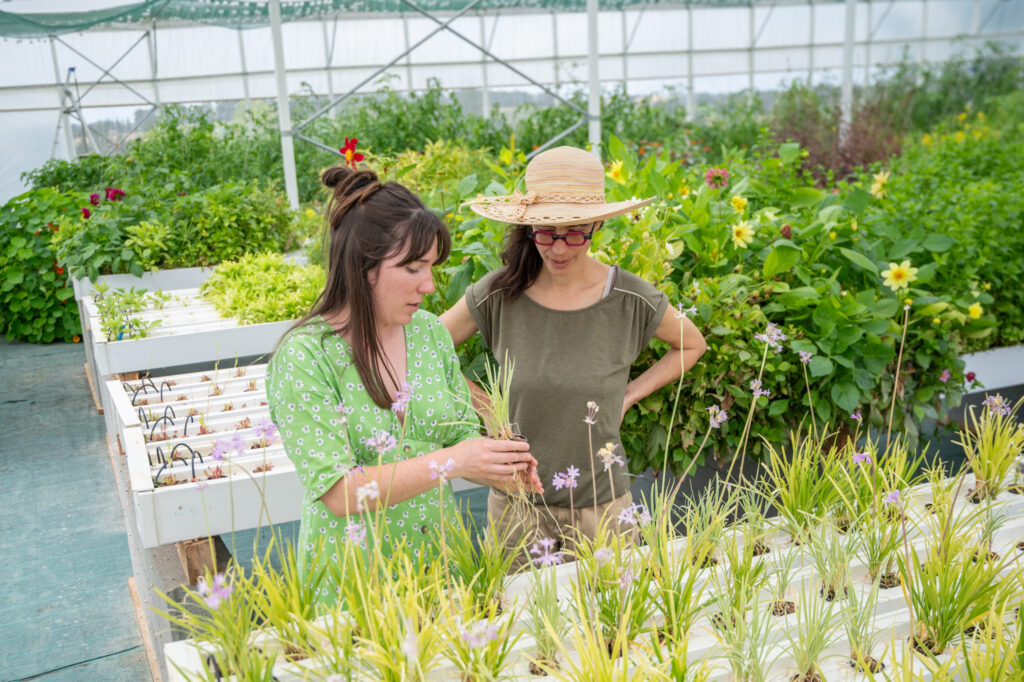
<point x="892" y="616"/>
<point x="168" y="428"/>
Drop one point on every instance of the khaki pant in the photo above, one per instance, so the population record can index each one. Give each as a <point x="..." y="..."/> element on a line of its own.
<point x="533" y="522"/>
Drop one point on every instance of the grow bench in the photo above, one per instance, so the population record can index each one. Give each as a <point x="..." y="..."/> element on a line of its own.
<point x="892" y="616"/>
<point x="175" y="495"/>
<point x="190" y="331"/>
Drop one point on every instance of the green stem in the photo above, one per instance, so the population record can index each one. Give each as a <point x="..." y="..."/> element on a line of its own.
<point x="896" y="377"/>
<point x="742" y="445"/>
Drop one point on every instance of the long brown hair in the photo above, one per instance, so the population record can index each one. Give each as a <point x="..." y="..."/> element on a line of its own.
<point x="368" y="222"/>
<point x="522" y="263"/>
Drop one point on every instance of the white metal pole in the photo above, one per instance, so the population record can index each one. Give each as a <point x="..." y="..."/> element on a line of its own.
<point x="924" y="31"/>
<point x="750" y="52"/>
<point x="691" y="96"/>
<point x="485" y="98"/>
<point x="810" y="42"/>
<point x="284" y="114"/>
<point x="554" y="43"/>
<point x="408" y="57"/>
<point x="594" y="74"/>
<point x="867" y="44"/>
<point x="69" y="139"/>
<point x="846" y="94"/>
<point x="151" y="44"/>
<point x="245" y="70"/>
<point x="625" y="50"/>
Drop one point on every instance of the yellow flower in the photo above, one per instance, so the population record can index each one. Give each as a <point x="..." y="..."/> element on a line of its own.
<point x="960" y="137"/>
<point x="742" y="234"/>
<point x="899" y="276"/>
<point x="908" y="301"/>
<point x="853" y="226"/>
<point x="832" y="235"/>
<point x="987" y="286"/>
<point x="926" y="140"/>
<point x="684" y="191"/>
<point x="878" y="186"/>
<point x="936" y="320"/>
<point x="962" y="117"/>
<point x="981" y="116"/>
<point x="615" y="173"/>
<point x="739" y="204"/>
<point x="310" y="212"/>
<point x="974" y="310"/>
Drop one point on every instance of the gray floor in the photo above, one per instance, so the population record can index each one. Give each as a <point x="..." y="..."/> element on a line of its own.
<point x="65" y="609"/>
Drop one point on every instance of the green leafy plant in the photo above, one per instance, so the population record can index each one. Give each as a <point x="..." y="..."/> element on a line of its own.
<point x="547" y="624"/>
<point x="263" y="287"/>
<point x="36" y="299"/>
<point x="992" y="444"/>
<point x="816" y="626"/>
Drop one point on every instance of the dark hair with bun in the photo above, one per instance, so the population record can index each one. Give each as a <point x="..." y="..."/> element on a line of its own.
<point x="368" y="222"/>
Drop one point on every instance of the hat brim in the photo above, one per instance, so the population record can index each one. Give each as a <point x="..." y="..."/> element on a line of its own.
<point x="556" y="213"/>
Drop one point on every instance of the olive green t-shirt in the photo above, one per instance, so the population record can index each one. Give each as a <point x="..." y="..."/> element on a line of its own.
<point x="564" y="359"/>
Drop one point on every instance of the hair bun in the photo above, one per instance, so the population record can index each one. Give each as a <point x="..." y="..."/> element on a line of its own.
<point x="343" y="180"/>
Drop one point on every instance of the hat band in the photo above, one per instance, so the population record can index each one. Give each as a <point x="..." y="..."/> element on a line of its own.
<point x="521" y="201"/>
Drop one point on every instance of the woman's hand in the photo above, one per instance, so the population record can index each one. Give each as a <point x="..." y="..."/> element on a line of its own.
<point x="497" y="463"/>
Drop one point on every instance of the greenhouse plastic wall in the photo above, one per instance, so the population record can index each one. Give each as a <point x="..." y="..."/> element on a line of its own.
<point x="645" y="50"/>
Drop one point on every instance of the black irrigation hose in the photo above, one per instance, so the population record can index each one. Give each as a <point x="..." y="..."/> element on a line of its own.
<point x="162" y="385"/>
<point x="152" y="431"/>
<point x="194" y="454"/>
<point x="160" y="455"/>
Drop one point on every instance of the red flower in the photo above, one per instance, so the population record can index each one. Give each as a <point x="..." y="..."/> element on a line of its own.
<point x="787" y="231"/>
<point x="94" y="199"/>
<point x="57" y="268"/>
<point x="114" y="194"/>
<point x="970" y="377"/>
<point x="85" y="214"/>
<point x="349" y="152"/>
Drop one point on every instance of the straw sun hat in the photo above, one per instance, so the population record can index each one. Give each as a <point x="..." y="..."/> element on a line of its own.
<point x="564" y="186"/>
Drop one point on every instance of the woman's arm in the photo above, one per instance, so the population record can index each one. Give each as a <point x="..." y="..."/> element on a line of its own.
<point x="686" y="341"/>
<point x="459" y="323"/>
<point x="493" y="462"/>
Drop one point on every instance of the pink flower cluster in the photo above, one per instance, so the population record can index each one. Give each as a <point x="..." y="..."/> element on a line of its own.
<point x="717" y="178"/>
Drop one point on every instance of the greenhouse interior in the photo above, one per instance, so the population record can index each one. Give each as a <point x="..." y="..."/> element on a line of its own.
<point x="481" y="340"/>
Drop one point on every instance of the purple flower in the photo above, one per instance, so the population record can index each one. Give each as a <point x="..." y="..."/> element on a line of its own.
<point x="608" y="457"/>
<point x="94" y="199"/>
<point x="860" y="457"/>
<point x="772" y="336"/>
<point x="402" y="398"/>
<point x="603" y="555"/>
<point x="238" y="444"/>
<point x="266" y="430"/>
<point x="997" y="405"/>
<point x="635" y="514"/>
<point x="944" y="377"/>
<point x="805" y="357"/>
<point x="682" y="312"/>
<point x="545" y="553"/>
<point x="592" y="409"/>
<point x="201" y="484"/>
<point x="755" y="386"/>
<point x="438" y="470"/>
<point x="566" y="479"/>
<point x="855" y="416"/>
<point x="215" y="594"/>
<point x="382" y="442"/>
<point x="344" y="412"/>
<point x="355" y="532"/>
<point x="717" y="416"/>
<point x="114" y="194"/>
<point x="892" y="498"/>
<point x="480" y="634"/>
<point x="370" y="491"/>
<point x="627" y="578"/>
<point x="220" y="448"/>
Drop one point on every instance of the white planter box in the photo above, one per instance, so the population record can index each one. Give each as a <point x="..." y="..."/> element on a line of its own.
<point x="996" y="368"/>
<point x="248" y="496"/>
<point x="892" y="616"/>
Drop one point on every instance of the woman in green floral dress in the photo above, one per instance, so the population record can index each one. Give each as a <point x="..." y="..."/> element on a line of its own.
<point x="366" y="390"/>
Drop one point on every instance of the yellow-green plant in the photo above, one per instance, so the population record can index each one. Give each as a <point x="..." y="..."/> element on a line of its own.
<point x="816" y="625"/>
<point x="992" y="443"/>
<point x="858" y="619"/>
<point x="705" y="520"/>
<point x="287" y="599"/>
<point x="494" y="410"/>
<point x="547" y="624"/>
<point x="478" y="642"/>
<point x="801" y="483"/>
<point x="830" y="553"/>
<point x="739" y="582"/>
<point x="994" y="651"/>
<point x="747" y="645"/>
<point x="481" y="562"/>
<point x="948" y="587"/>
<point x="675" y="572"/>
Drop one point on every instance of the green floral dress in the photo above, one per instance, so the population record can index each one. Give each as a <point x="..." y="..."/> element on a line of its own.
<point x="329" y="425"/>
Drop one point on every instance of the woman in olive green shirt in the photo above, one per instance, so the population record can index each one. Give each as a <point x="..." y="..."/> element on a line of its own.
<point x="574" y="327"/>
<point x="366" y="390"/>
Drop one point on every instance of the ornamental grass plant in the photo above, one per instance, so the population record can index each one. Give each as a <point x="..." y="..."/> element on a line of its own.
<point x="992" y="442"/>
<point x="817" y="621"/>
